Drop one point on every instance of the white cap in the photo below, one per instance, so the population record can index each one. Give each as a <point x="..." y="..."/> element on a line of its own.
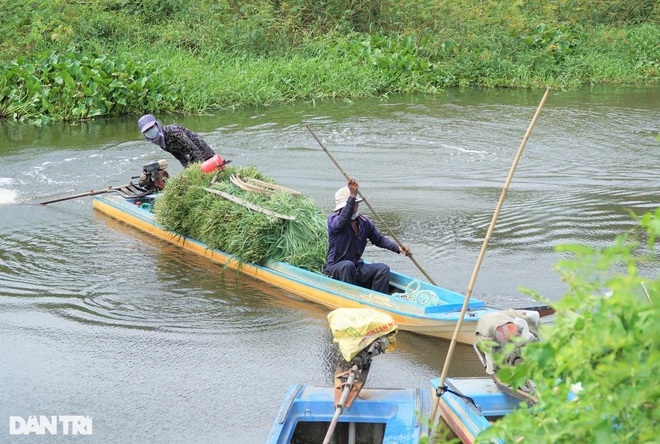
<point x="341" y="196"/>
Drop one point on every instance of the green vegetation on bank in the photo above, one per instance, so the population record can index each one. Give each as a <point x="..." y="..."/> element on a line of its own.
<point x="595" y="368"/>
<point x="71" y="60"/>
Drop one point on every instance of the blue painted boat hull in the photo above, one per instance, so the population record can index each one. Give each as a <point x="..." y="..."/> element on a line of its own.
<point x="396" y="416"/>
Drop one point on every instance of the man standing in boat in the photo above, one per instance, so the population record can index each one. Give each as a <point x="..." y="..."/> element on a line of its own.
<point x="188" y="147"/>
<point x="348" y="232"/>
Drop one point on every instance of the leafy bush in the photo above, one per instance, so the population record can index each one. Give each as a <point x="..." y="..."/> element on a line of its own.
<point x="595" y="369"/>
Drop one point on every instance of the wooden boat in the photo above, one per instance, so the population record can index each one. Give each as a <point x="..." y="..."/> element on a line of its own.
<point x="434" y="316"/>
<point x="471" y="404"/>
<point x="467" y="406"/>
<point x="377" y="416"/>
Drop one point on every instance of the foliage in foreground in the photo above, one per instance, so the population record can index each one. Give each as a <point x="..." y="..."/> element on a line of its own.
<point x="595" y="369"/>
<point x="186" y="208"/>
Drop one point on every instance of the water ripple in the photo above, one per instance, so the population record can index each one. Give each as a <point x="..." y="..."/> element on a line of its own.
<point x="85" y="273"/>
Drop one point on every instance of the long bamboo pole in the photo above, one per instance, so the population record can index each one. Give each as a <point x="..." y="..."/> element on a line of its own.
<point x="88" y="193"/>
<point x="475" y="272"/>
<point x="364" y="199"/>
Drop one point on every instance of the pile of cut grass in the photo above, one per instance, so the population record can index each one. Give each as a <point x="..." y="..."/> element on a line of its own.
<point x="189" y="210"/>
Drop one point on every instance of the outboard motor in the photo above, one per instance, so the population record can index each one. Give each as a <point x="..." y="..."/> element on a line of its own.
<point x="154" y="175"/>
<point x="519" y="327"/>
<point x="362" y="334"/>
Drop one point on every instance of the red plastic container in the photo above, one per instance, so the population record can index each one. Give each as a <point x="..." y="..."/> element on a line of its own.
<point x="214" y="163"/>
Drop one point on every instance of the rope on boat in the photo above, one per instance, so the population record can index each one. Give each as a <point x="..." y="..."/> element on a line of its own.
<point x="422" y="297"/>
<point x="444" y="389"/>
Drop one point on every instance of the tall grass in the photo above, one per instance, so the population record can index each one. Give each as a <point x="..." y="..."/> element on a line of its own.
<point x="186" y="208"/>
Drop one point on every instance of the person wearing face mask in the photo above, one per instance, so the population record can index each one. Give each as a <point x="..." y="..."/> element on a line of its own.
<point x="348" y="232"/>
<point x="188" y="147"/>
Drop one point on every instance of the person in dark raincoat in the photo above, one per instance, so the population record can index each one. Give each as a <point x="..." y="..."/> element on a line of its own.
<point x="185" y="145"/>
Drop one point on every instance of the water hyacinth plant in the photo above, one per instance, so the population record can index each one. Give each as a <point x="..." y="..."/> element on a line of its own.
<point x="72" y="86"/>
<point x="186" y="208"/>
<point x="74" y="60"/>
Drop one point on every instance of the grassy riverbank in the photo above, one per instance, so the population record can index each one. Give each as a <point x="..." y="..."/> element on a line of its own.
<point x="79" y="59"/>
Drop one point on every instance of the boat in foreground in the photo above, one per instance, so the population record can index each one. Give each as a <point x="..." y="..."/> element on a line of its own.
<point x="377" y="416"/>
<point x="349" y="413"/>
<point x="469" y="405"/>
<point x="416" y="306"/>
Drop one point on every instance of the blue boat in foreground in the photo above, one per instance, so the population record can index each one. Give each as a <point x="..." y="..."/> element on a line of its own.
<point x="471" y="404"/>
<point x="377" y="416"/>
<point x="467" y="405"/>
<point x="349" y="413"/>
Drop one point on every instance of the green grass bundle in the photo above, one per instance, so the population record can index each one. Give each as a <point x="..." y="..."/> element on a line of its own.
<point x="186" y="208"/>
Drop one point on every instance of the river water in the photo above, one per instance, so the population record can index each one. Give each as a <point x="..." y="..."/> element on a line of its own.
<point x="157" y="345"/>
